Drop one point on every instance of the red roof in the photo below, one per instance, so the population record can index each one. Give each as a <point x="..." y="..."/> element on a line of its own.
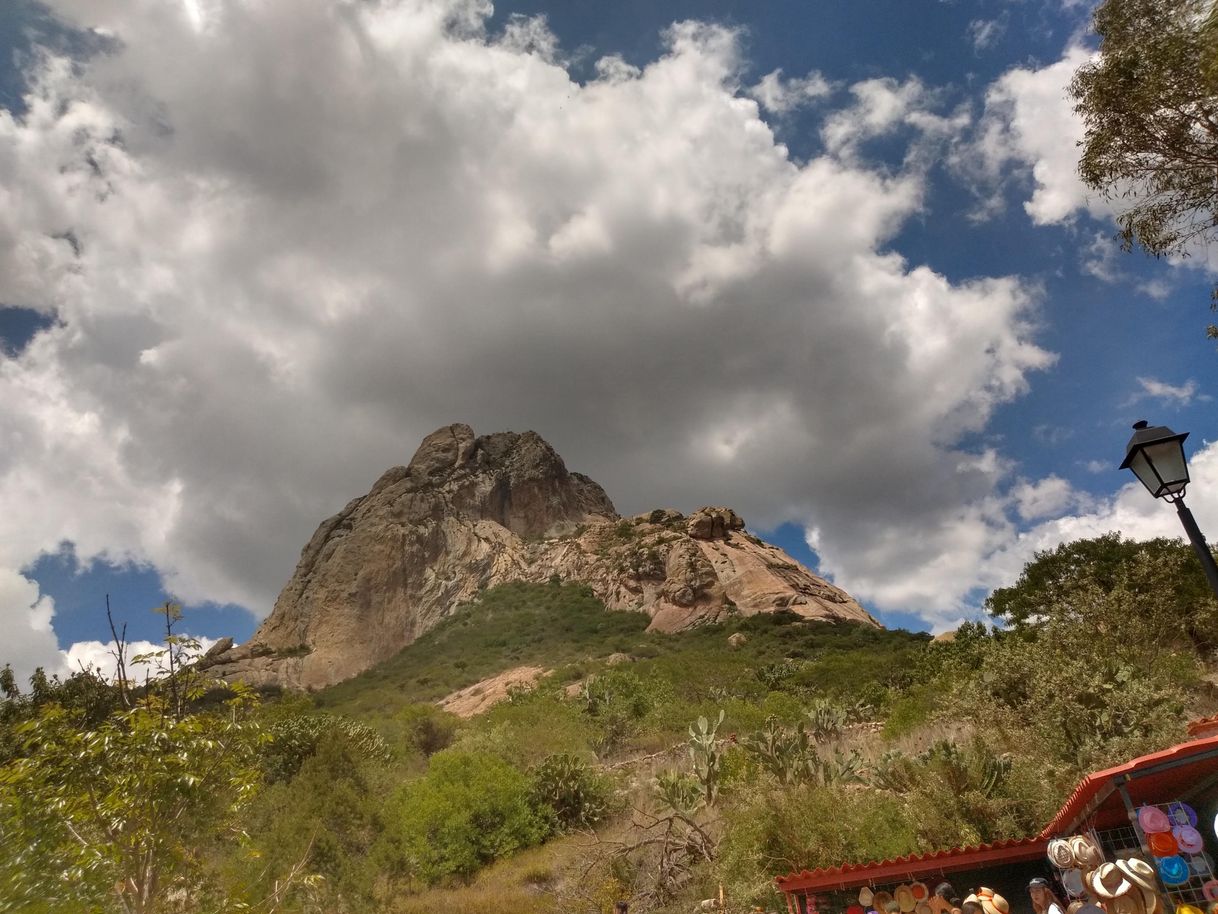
<point x="1168" y="775"/>
<point x="915" y="865"/>
<point x="1203" y="726"/>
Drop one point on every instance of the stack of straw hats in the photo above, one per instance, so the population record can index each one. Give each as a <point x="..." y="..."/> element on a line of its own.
<point x="1076" y="858"/>
<point x="1124" y="887"/>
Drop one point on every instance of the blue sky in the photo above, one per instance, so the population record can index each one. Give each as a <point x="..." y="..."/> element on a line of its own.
<point x="825" y="262"/>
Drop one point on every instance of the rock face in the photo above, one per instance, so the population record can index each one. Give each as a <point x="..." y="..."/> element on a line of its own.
<point x="472" y="512"/>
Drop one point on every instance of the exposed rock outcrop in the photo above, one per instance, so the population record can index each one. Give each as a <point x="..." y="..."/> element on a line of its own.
<point x="484" y="695"/>
<point x="470" y="512"/>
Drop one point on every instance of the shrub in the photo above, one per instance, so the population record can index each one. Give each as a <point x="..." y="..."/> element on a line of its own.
<point x="467" y="811"/>
<point x="296" y="737"/>
<point x="425" y="729"/>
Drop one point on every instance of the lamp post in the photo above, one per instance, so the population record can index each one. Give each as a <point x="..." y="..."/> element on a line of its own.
<point x="1156" y="456"/>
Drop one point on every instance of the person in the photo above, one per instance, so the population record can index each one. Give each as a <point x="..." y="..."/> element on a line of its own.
<point x="971" y="906"/>
<point x="1044" y="900"/>
<point x="621" y="907"/>
<point x="945" y="891"/>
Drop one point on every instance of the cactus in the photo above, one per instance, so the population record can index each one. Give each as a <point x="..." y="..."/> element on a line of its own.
<point x="706" y="756"/>
<point x="678" y="791"/>
<point x="827" y="720"/>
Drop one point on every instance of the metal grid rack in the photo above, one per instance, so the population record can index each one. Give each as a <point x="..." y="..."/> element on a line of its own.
<point x="1124" y="841"/>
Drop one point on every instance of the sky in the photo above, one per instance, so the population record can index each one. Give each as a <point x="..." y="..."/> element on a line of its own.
<point x="829" y="264"/>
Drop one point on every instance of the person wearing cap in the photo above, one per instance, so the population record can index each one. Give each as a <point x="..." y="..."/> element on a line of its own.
<point x="1044" y="900"/>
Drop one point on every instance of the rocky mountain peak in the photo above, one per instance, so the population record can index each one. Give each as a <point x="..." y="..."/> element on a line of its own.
<point x="472" y="511"/>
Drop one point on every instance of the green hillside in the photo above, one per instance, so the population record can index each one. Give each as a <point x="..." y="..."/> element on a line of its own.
<point x="565" y="628"/>
<point x="646" y="766"/>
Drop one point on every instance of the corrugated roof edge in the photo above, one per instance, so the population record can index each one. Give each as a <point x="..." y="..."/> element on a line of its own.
<point x="953" y="859"/>
<point x="1089" y="786"/>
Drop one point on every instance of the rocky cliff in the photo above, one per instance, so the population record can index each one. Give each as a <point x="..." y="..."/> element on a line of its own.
<point x="475" y="511"/>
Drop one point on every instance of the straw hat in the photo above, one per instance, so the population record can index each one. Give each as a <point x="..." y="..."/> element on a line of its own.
<point x="1210" y="890"/>
<point x="865" y="896"/>
<point x="1150" y="901"/>
<point x="904" y="896"/>
<point x="1060" y="854"/>
<point x="923" y="908"/>
<point x="1086" y="853"/>
<point x="880" y="900"/>
<point x="1130" y="903"/>
<point x="992" y="903"/>
<point x="1187" y="909"/>
<point x="1139" y="872"/>
<point x="920" y="891"/>
<point x="1109" y="882"/>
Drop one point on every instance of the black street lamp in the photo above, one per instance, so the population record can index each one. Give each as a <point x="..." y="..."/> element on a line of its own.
<point x="1156" y="456"/>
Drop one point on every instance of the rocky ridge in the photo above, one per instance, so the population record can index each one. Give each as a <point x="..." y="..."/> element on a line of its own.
<point x="470" y="512"/>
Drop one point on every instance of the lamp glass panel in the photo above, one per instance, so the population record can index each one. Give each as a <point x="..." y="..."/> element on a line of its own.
<point x="1142" y="469"/>
<point x="1167" y="457"/>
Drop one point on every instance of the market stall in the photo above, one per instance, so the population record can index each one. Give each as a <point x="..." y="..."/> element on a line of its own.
<point x="1157" y="811"/>
<point x="1139" y="838"/>
<point x="854" y="888"/>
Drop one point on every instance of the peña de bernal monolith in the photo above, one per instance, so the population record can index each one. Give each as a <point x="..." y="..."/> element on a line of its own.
<point x="470" y="512"/>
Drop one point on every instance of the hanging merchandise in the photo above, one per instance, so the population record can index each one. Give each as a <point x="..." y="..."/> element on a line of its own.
<point x="904" y="897"/>
<point x="1108" y="881"/>
<point x="1173" y="871"/>
<point x="1188" y="838"/>
<point x="1153" y="820"/>
<point x="1210" y="890"/>
<point x="1072" y="881"/>
<point x="1060" y="854"/>
<point x="1139" y="872"/>
<point x="991" y="902"/>
<point x="923" y="908"/>
<point x="1163" y="844"/>
<point x="1087" y="853"/>
<point x="865" y="897"/>
<point x="920" y="891"/>
<point x="1182" y="814"/>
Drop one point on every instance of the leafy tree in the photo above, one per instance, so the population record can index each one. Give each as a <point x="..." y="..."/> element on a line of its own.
<point x="1150" y="106"/>
<point x="123" y="808"/>
<point x="467" y="811"/>
<point x="85" y="694"/>
<point x="1149" y="593"/>
<point x="327" y="820"/>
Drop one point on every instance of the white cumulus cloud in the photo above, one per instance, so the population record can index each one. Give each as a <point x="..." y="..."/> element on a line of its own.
<point x="285" y="240"/>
